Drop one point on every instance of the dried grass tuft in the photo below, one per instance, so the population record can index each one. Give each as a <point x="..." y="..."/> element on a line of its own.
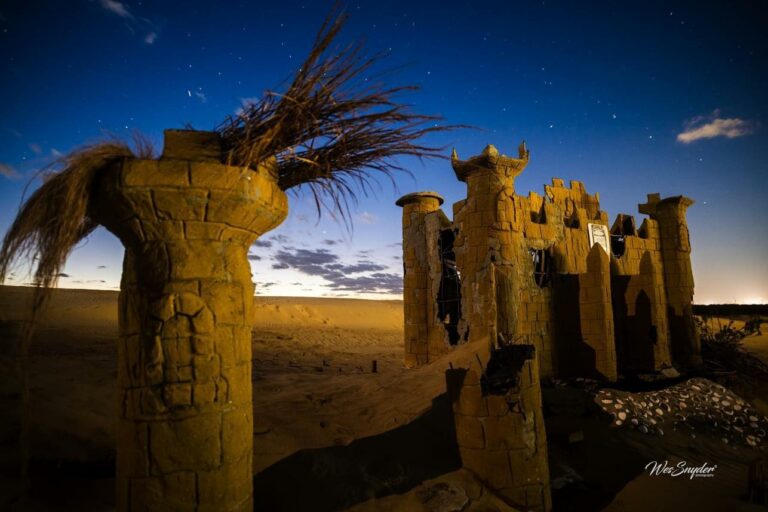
<point x="55" y="217"/>
<point x="48" y="226"/>
<point x="332" y="129"/>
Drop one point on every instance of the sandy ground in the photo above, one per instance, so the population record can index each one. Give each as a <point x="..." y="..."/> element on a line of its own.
<point x="329" y="433"/>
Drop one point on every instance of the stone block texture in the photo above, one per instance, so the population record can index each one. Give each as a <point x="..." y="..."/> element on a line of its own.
<point x="590" y="312"/>
<point x="531" y="275"/>
<point x="185" y="429"/>
<point x="501" y="437"/>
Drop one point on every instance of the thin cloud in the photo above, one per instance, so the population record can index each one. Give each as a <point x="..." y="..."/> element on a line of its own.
<point x="254" y="257"/>
<point x="132" y="22"/>
<point x="362" y="277"/>
<point x="36" y="149"/>
<point x="281" y="239"/>
<point x="262" y="243"/>
<point x="199" y="95"/>
<point x="709" y="127"/>
<point x="367" y="218"/>
<point x="116" y="7"/>
<point x="9" y="172"/>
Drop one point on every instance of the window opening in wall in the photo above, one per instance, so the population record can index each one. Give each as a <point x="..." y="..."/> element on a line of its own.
<point x="624" y="227"/>
<point x="542" y="267"/>
<point x="572" y="221"/>
<point x="539" y="217"/>
<point x="449" y="293"/>
<point x="618" y="245"/>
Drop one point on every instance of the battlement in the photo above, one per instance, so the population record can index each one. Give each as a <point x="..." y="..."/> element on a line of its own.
<point x="575" y="196"/>
<point x="491" y="160"/>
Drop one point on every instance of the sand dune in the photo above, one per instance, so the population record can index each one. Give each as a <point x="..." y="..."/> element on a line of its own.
<point x="329" y="432"/>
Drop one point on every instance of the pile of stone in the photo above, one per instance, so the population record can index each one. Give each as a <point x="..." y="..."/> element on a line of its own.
<point x="696" y="406"/>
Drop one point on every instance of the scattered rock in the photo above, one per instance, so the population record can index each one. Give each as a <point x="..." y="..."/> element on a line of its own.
<point x="670" y="373"/>
<point x="443" y="497"/>
<point x="697" y="404"/>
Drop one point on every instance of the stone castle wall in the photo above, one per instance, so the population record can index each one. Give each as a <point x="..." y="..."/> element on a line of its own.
<point x="570" y="319"/>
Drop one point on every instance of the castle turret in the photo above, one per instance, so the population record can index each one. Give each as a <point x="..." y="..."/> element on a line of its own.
<point x="418" y="302"/>
<point x="489" y="233"/>
<point x="678" y="275"/>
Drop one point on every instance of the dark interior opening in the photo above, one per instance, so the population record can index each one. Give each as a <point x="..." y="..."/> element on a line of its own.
<point x="503" y="370"/>
<point x="628" y="226"/>
<point x="449" y="293"/>
<point x="624" y="227"/>
<point x="635" y="335"/>
<point x="542" y="267"/>
<point x="539" y="217"/>
<point x="618" y="245"/>
<point x="572" y="221"/>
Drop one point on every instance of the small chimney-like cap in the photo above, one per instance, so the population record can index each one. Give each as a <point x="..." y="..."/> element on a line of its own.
<point x="416" y="197"/>
<point x="192" y="145"/>
<point x="654" y="203"/>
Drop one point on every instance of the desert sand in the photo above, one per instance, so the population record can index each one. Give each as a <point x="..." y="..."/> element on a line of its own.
<point x="330" y="433"/>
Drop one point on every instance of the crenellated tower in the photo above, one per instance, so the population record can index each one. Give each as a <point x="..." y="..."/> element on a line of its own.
<point x="670" y="213"/>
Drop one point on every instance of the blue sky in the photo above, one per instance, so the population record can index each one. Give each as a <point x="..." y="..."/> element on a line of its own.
<point x="628" y="97"/>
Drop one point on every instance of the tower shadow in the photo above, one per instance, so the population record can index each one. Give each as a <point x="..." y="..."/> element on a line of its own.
<point x="336" y="477"/>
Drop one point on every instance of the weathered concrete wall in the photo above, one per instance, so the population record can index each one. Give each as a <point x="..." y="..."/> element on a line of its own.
<point x="484" y="238"/>
<point x="185" y="428"/>
<point x="437" y="335"/>
<point x="596" y="315"/>
<point x="638" y="275"/>
<point x="496" y="228"/>
<point x="500" y="431"/>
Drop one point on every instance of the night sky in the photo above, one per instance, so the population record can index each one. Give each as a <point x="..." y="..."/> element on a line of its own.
<point x="628" y="97"/>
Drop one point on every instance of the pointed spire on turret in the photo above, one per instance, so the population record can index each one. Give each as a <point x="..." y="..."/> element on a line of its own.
<point x="522" y="151"/>
<point x="454" y="155"/>
<point x="491" y="151"/>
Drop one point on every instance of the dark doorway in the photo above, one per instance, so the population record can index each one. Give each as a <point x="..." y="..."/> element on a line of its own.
<point x="635" y="335"/>
<point x="572" y="357"/>
<point x="449" y="293"/>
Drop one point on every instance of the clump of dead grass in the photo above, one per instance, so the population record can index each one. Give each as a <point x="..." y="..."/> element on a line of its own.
<point x="46" y="229"/>
<point x="56" y="216"/>
<point x="333" y="129"/>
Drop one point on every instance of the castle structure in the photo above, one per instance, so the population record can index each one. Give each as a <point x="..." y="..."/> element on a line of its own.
<point x="595" y="299"/>
<point x="542" y="287"/>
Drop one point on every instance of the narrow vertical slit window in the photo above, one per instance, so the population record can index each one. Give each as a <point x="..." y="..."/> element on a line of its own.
<point x="542" y="267"/>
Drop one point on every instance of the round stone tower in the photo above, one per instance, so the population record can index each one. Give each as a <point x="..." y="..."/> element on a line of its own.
<point x="418" y="304"/>
<point x="185" y="429"/>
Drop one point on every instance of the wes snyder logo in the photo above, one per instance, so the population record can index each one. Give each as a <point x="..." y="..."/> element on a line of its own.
<point x="680" y="469"/>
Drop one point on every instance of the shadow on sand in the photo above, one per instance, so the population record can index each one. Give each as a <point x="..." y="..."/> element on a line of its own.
<point x="337" y="477"/>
